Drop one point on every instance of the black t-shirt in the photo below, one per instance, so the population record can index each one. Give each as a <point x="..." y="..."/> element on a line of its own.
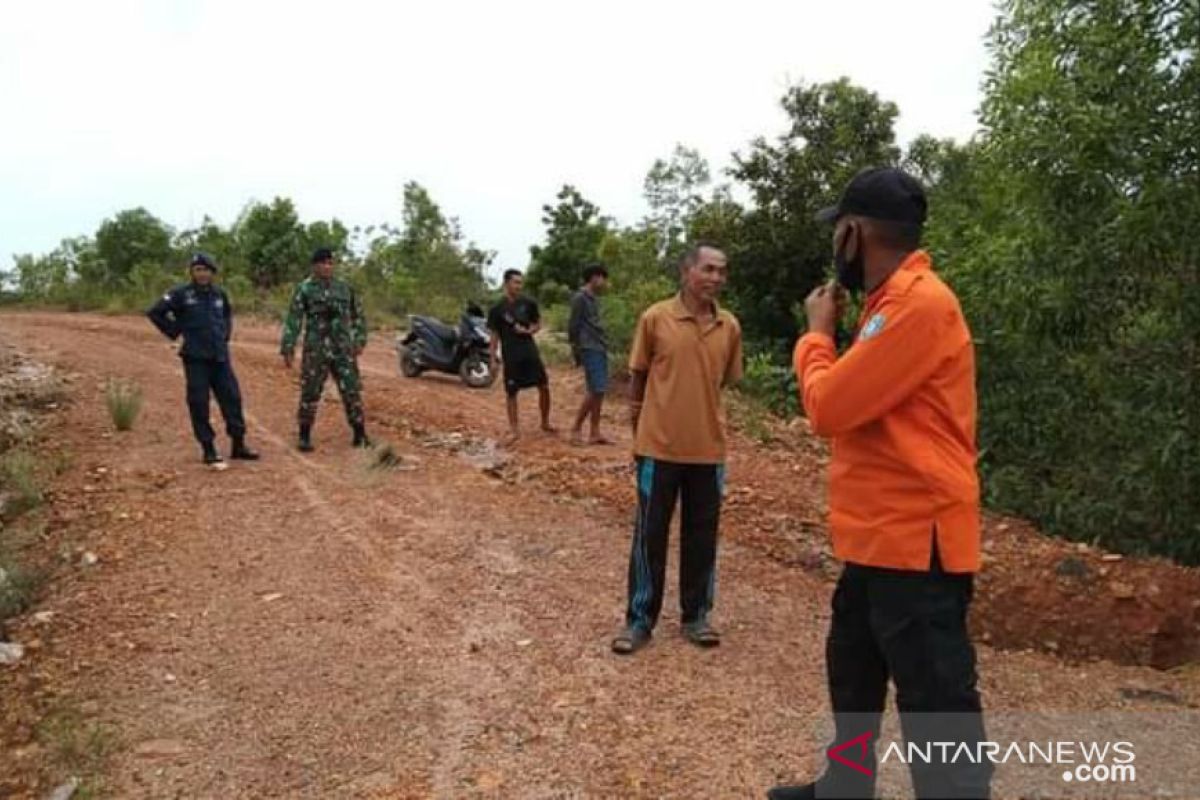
<point x="503" y="316"/>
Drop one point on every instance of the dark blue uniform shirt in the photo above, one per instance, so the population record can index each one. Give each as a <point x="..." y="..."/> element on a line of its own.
<point x="202" y="315"/>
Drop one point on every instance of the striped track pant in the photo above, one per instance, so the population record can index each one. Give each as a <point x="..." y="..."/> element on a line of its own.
<point x="698" y="487"/>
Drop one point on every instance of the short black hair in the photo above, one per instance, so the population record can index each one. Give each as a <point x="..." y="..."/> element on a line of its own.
<point x="509" y="274"/>
<point x="322" y="254"/>
<point x="905" y="236"/>
<point x="692" y="254"/>
<point x="594" y="269"/>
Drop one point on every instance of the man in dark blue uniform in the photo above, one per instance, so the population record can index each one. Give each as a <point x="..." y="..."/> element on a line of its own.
<point x="201" y="313"/>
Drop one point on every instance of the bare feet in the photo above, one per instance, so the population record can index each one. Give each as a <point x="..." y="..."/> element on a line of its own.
<point x="549" y="429"/>
<point x="511" y="438"/>
<point x="600" y="440"/>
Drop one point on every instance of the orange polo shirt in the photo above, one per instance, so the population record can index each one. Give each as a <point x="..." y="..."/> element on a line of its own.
<point x="899" y="406"/>
<point x="687" y="365"/>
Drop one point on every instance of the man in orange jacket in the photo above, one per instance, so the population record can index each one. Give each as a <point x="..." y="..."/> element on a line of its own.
<point x="899" y="407"/>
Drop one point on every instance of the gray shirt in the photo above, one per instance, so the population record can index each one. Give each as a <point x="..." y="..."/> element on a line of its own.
<point x="585" y="330"/>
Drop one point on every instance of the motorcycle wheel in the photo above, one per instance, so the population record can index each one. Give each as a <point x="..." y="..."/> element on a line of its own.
<point x="476" y="372"/>
<point x="408" y="364"/>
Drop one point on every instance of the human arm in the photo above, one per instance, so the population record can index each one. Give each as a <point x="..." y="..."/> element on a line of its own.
<point x="736" y="364"/>
<point x="162" y="314"/>
<point x="358" y="323"/>
<point x="228" y="316"/>
<point x="641" y="355"/>
<point x="292" y="325"/>
<point x="902" y="343"/>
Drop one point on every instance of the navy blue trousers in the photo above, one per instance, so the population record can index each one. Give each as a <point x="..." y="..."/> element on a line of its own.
<point x="205" y="376"/>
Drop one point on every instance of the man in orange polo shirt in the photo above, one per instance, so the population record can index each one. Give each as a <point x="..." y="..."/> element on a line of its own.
<point x="899" y="407"/>
<point x="685" y="351"/>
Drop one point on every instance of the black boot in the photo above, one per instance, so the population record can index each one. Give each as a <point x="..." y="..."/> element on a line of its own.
<point x="211" y="457"/>
<point x="807" y="791"/>
<point x="360" y="437"/>
<point x="306" y="445"/>
<point x="241" y="452"/>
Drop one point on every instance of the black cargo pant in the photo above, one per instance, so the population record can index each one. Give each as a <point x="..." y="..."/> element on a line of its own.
<point x="910" y="627"/>
<point x="660" y="485"/>
<point x="205" y="375"/>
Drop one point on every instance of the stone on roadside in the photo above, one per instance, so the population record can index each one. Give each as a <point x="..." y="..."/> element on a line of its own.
<point x="11" y="652"/>
<point x="66" y="791"/>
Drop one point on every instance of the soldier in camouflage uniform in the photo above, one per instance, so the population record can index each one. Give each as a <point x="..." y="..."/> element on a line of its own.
<point x="335" y="333"/>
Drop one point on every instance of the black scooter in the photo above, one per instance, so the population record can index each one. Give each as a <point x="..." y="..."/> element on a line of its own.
<point x="433" y="345"/>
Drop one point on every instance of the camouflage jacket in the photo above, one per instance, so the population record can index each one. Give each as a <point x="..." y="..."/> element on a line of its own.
<point x="329" y="312"/>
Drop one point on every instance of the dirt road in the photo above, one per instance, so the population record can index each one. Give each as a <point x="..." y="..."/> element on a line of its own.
<point x="308" y="627"/>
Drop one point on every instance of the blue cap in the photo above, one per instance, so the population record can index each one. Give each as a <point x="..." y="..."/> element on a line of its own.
<point x="202" y="260"/>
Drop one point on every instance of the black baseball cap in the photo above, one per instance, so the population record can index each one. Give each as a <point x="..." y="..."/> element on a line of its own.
<point x="883" y="193"/>
<point x="202" y="260"/>
<point x="321" y="255"/>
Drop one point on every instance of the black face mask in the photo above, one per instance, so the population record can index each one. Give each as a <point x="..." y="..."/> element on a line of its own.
<point x="850" y="274"/>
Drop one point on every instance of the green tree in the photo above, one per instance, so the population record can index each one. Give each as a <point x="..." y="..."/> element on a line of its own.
<point x="273" y="242"/>
<point x="40" y="277"/>
<point x="673" y="190"/>
<point x="132" y="237"/>
<point x="779" y="251"/>
<point x="220" y="243"/>
<point x="574" y="231"/>
<point x="1079" y="269"/>
<point x="424" y="265"/>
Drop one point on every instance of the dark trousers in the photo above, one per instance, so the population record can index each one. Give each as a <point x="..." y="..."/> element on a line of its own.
<point x="203" y="376"/>
<point x="910" y="627"/>
<point x="660" y="484"/>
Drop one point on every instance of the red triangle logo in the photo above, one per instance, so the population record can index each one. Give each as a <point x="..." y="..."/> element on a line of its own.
<point x="835" y="753"/>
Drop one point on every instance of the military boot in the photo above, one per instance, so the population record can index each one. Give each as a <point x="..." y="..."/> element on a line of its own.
<point x="241" y="452"/>
<point x="211" y="457"/>
<point x="360" y="437"/>
<point x="306" y="445"/>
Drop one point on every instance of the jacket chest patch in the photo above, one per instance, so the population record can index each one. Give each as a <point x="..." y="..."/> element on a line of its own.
<point x="873" y="327"/>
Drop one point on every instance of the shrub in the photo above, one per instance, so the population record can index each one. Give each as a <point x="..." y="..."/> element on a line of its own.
<point x="770" y="384"/>
<point x="20" y="481"/>
<point x="124" y="399"/>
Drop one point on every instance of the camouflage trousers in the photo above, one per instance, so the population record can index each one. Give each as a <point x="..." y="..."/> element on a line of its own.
<point x="316" y="364"/>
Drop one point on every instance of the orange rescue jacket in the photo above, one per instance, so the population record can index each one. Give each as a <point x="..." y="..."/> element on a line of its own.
<point x="899" y="406"/>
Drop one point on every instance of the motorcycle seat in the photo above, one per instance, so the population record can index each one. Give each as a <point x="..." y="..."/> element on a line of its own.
<point x="438" y="328"/>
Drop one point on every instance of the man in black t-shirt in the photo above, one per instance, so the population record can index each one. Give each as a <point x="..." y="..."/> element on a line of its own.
<point x="514" y="321"/>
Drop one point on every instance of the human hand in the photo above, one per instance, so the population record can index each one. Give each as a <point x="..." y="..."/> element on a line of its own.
<point x="823" y="307"/>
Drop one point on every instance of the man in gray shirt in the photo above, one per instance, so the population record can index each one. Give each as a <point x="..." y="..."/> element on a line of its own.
<point x="590" y="347"/>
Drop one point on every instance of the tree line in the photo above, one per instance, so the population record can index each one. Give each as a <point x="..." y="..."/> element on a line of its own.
<point x="1066" y="226"/>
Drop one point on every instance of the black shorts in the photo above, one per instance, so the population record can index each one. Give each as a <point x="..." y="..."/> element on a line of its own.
<point x="524" y="374"/>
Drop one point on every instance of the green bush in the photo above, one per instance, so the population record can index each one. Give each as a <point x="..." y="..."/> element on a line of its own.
<point x="555" y="317"/>
<point x="124" y="400"/>
<point x="770" y="384"/>
<point x="20" y="481"/>
<point x="18" y="588"/>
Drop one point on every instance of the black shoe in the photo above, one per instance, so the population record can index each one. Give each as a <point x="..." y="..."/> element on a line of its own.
<point x="241" y="452"/>
<point x="630" y="640"/>
<point x="306" y="445"/>
<point x="212" y="458"/>
<point x="360" y="437"/>
<point x="806" y="791"/>
<point x="701" y="634"/>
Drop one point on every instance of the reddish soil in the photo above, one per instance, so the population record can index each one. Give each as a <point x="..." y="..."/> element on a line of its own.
<point x="307" y="626"/>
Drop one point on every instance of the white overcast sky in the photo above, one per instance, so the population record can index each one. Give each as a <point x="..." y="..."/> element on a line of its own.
<point x="194" y="107"/>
